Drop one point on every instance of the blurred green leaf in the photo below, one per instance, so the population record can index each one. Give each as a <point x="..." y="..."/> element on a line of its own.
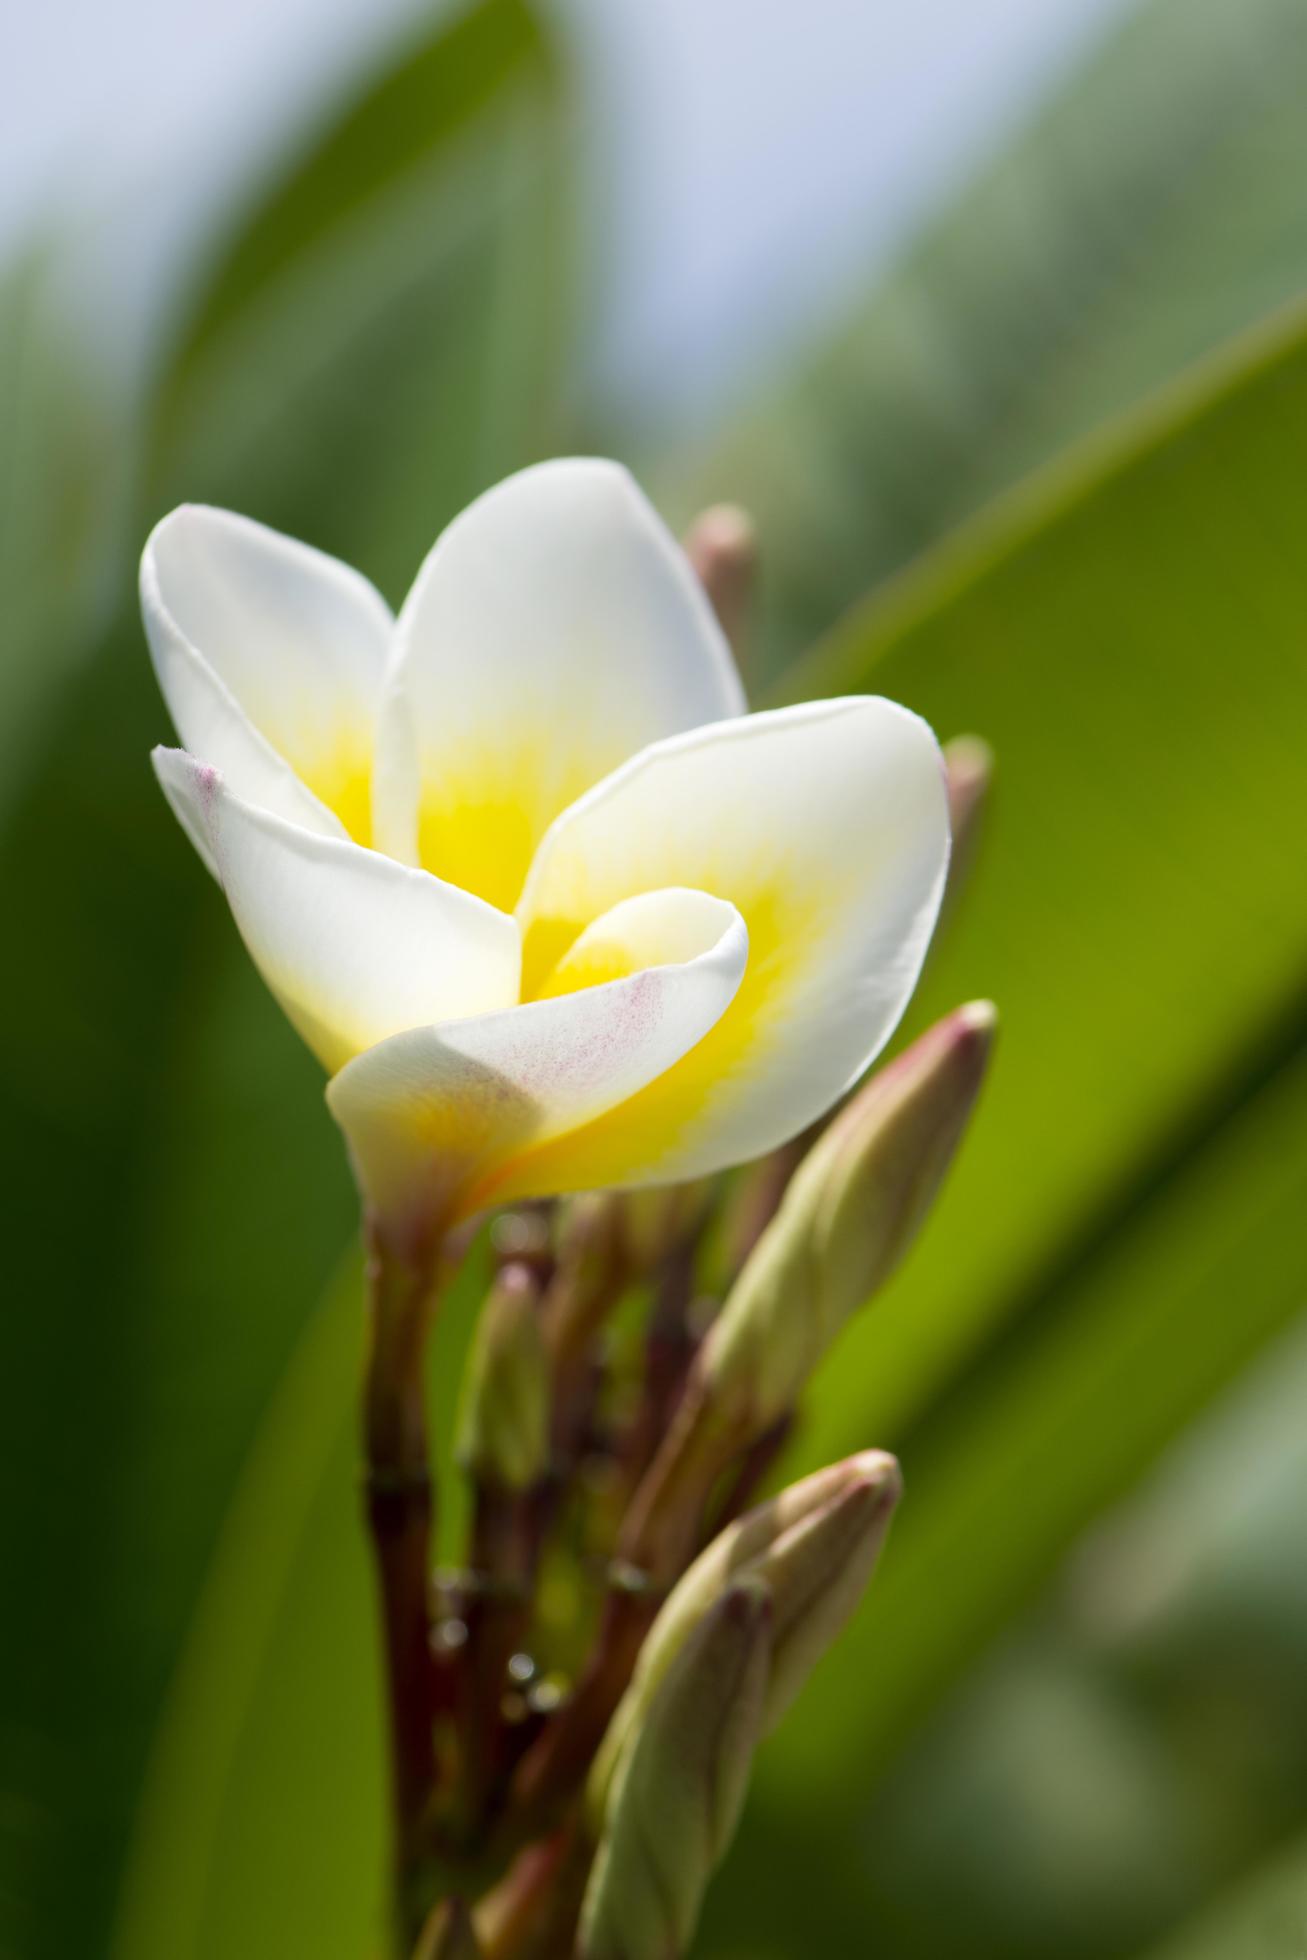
<point x="1261" y="1919"/>
<point x="1062" y="1421"/>
<point x="1000" y="1482"/>
<point x="1127" y="633"/>
<point x="1139" y="1739"/>
<point x="382" y="339"/>
<point x="1151" y="209"/>
<point x="260" y="1831"/>
<point x="258" y="1744"/>
<point x="1124" y="1229"/>
<point x="178" y="1189"/>
<point x="61" y="463"/>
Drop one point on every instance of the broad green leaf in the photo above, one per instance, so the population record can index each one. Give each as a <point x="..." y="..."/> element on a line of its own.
<point x="286" y="1590"/>
<point x="180" y="1192"/>
<point x="998" y="1485"/>
<point x="1127" y="634"/>
<point x="1123" y="1230"/>
<point x="1261" y="1919"/>
<point x="381" y="340"/>
<point x="1064" y="1417"/>
<point x="261" y="1827"/>
<point x="1124" y="1227"/>
<point x="1150" y="210"/>
<point x="98" y="890"/>
<point x="61" y="465"/>
<point x="1138" y="1741"/>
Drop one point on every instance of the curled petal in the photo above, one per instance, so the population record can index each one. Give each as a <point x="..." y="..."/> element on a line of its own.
<point x="555" y="628"/>
<point x="354" y="946"/>
<point x="827" y="825"/>
<point x="270" y="656"/>
<point x="441" y="1120"/>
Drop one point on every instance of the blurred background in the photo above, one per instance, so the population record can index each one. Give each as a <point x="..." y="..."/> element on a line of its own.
<point x="990" y="312"/>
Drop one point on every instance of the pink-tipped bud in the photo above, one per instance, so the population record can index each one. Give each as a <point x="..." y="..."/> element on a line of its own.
<point x="722" y="546"/>
<point x="969" y="772"/>
<point x="814" y="1546"/>
<point x="850" y="1213"/>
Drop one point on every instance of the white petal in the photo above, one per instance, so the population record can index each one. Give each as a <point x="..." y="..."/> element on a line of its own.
<point x="827" y="826"/>
<point x="659" y="928"/>
<point x="555" y="629"/>
<point x="270" y="656"/>
<point x="354" y="946"/>
<point x="441" y="1120"/>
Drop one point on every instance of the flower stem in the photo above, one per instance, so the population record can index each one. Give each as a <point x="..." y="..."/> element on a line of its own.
<point x="659" y="1536"/>
<point x="399" y="1516"/>
<point x="532" y="1913"/>
<point x="497" y="1614"/>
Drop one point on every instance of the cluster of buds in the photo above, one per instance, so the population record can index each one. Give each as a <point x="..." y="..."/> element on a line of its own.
<point x="627" y="1628"/>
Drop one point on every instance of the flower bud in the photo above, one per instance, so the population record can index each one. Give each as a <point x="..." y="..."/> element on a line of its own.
<point x="607" y="1239"/>
<point x="850" y="1213"/>
<point x="671" y="1809"/>
<point x="661" y="1217"/>
<point x="814" y="1547"/>
<point x="503" y="1421"/>
<point x="969" y="770"/>
<point x="722" y="546"/>
<point x="591" y="1271"/>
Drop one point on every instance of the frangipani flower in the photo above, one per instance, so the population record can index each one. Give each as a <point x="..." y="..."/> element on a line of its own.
<point x="550" y="908"/>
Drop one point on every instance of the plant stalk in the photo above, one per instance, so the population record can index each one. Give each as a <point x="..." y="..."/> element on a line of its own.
<point x="399" y="1516"/>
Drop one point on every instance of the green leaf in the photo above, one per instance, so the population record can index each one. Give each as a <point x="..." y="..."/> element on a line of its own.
<point x="1065" y="1416"/>
<point x="1124" y="1228"/>
<point x="1150" y="210"/>
<point x="261" y="1828"/>
<point x="60" y="466"/>
<point x="179" y="1191"/>
<point x="1260" y="1919"/>
<point x="284" y="1599"/>
<point x="381" y="340"/>
<point x="1062" y="1421"/>
<point x="1125" y="633"/>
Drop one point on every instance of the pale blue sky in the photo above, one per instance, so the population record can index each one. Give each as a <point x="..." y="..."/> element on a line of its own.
<point x="751" y="159"/>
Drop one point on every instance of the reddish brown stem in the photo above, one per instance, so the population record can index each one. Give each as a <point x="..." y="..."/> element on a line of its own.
<point x="658" y="1538"/>
<point x="532" y="1913"/>
<point x="742" y="1486"/>
<point x="553" y="1768"/>
<point x="497" y="1612"/>
<point x="662" y="1525"/>
<point x="669" y="1350"/>
<point x="399" y="1514"/>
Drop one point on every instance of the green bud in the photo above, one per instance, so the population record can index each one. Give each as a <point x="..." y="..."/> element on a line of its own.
<point x="591" y="1271"/>
<point x="672" y="1808"/>
<point x="657" y="1219"/>
<point x="850" y="1213"/>
<point x="814" y="1547"/>
<point x="605" y="1240"/>
<point x="502" y="1436"/>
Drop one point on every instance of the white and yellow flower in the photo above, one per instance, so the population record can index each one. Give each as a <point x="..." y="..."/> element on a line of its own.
<point x="550" y="908"/>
